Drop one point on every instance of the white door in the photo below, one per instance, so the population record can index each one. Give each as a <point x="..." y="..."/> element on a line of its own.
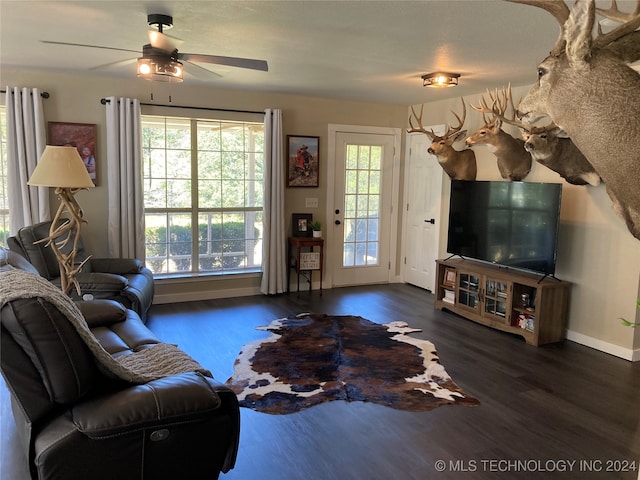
<point x="423" y="190"/>
<point x="361" y="211"/>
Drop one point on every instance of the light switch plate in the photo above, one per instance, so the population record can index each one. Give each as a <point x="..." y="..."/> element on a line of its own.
<point x="311" y="202"/>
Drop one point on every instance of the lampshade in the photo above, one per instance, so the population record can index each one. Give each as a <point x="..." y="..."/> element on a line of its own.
<point x="60" y="167"/>
<point x="440" y="79"/>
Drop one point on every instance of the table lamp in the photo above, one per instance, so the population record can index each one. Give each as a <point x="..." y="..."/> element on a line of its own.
<point x="63" y="169"/>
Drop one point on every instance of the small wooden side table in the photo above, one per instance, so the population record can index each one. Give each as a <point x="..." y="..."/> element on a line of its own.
<point x="296" y="244"/>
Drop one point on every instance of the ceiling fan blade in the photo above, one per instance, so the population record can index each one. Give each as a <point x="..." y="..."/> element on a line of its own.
<point x="89" y="46"/>
<point x="117" y="63"/>
<point x="163" y="41"/>
<point x="230" y="61"/>
<point x="198" y="71"/>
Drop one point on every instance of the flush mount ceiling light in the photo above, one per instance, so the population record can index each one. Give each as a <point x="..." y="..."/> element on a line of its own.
<point x="440" y="79"/>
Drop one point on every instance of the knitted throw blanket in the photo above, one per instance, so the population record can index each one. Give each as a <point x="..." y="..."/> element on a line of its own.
<point x="158" y="361"/>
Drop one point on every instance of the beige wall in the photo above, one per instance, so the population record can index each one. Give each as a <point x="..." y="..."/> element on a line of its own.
<point x="77" y="99"/>
<point x="596" y="252"/>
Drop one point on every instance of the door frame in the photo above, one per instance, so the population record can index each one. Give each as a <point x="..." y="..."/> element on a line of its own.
<point x="333" y="130"/>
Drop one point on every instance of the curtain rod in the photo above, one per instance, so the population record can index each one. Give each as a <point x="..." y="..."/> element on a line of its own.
<point x="43" y="94"/>
<point x="104" y="101"/>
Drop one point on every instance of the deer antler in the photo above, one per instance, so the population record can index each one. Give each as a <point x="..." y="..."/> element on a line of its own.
<point x="450" y="130"/>
<point x="614" y="13"/>
<point x="502" y="102"/>
<point x="499" y="104"/>
<point x="560" y="12"/>
<point x="630" y="22"/>
<point x="420" y="128"/>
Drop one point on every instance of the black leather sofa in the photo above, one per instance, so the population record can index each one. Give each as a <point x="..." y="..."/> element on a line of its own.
<point x="77" y="421"/>
<point x="124" y="280"/>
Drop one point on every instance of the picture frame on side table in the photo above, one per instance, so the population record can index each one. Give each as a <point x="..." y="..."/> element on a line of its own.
<point x="449" y="279"/>
<point x="300" y="224"/>
<point x="303" y="161"/>
<point x="79" y="135"/>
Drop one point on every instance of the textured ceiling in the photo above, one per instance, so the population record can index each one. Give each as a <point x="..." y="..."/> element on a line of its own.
<point x="357" y="50"/>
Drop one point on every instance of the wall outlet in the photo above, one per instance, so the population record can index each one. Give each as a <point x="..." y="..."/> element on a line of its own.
<point x="311" y="202"/>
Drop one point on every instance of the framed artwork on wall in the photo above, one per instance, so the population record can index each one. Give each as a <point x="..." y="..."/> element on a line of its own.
<point x="300" y="224"/>
<point x="303" y="158"/>
<point x="79" y="135"/>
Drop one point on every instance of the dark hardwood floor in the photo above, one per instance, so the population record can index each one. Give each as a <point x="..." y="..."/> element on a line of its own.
<point x="557" y="411"/>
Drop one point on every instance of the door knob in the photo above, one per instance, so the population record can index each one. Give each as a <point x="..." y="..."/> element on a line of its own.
<point x="432" y="221"/>
<point x="338" y="222"/>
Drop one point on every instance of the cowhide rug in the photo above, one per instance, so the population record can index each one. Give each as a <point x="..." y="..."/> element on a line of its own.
<point x="314" y="358"/>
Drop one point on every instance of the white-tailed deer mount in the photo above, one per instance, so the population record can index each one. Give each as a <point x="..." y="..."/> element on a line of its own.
<point x="586" y="87"/>
<point x="550" y="146"/>
<point x="514" y="162"/>
<point x="458" y="164"/>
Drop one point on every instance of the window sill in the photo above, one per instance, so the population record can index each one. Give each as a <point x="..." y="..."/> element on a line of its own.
<point x="204" y="277"/>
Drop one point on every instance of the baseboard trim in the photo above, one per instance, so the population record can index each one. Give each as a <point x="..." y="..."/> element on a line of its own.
<point x="606" y="347"/>
<point x="205" y="295"/>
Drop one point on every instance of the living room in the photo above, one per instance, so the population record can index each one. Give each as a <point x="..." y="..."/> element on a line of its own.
<point x="594" y="242"/>
<point x="596" y="252"/>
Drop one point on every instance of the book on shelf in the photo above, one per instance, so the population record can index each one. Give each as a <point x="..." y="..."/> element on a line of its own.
<point x="449" y="296"/>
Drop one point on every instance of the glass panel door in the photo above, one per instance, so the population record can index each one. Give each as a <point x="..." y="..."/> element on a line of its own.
<point x="362" y="208"/>
<point x="468" y="293"/>
<point x="496" y="297"/>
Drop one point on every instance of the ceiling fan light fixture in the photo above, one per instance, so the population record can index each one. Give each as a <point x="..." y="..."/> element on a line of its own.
<point x="440" y="79"/>
<point x="160" y="69"/>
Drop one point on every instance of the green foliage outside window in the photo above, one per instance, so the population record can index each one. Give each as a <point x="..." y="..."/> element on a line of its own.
<point x="223" y="249"/>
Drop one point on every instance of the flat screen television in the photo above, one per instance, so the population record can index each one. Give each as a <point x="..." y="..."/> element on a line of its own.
<point x="513" y="224"/>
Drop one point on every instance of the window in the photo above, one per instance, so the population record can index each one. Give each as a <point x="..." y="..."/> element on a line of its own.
<point x="203" y="195"/>
<point x="363" y="176"/>
<point x="4" y="194"/>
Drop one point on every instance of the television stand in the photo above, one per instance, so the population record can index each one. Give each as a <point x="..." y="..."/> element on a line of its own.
<point x="505" y="299"/>
<point x="550" y="275"/>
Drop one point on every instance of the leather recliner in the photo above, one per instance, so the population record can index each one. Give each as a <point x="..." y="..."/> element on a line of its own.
<point x="77" y="422"/>
<point x="124" y="280"/>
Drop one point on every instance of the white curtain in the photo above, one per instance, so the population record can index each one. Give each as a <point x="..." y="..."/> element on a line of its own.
<point x="26" y="139"/>
<point x="124" y="163"/>
<point x="274" y="260"/>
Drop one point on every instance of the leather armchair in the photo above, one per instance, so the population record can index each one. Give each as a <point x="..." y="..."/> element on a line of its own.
<point x="76" y="422"/>
<point x="124" y="280"/>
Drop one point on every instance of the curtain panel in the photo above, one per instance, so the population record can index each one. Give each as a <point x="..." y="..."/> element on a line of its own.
<point x="26" y="140"/>
<point x="274" y="263"/>
<point x="124" y="163"/>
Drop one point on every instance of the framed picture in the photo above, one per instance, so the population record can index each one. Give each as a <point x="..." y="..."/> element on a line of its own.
<point x="300" y="224"/>
<point x="449" y="277"/>
<point x="309" y="260"/>
<point x="79" y="135"/>
<point x="303" y="159"/>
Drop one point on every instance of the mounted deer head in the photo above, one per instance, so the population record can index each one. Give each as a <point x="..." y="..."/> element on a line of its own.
<point x="459" y="165"/>
<point x="514" y="162"/>
<point x="550" y="146"/>
<point x="589" y="91"/>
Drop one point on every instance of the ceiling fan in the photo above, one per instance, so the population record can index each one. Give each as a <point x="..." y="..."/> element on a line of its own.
<point x="161" y="61"/>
